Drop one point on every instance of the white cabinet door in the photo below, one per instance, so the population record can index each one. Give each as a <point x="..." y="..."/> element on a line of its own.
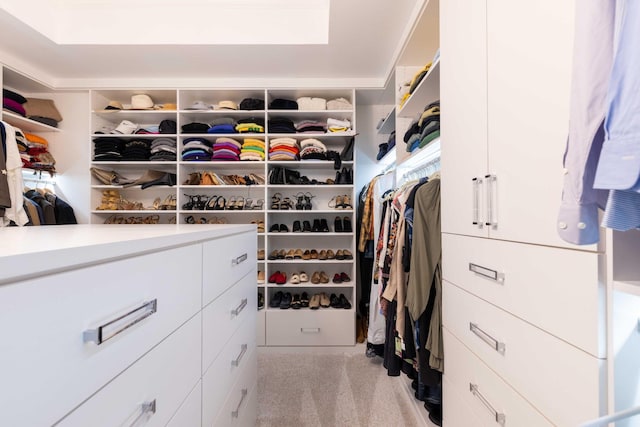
<point x="463" y="87"/>
<point x="529" y="48"/>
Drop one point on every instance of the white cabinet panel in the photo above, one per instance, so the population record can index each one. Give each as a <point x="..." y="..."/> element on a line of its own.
<point x="562" y="381"/>
<point x="310" y="327"/>
<point x="164" y="376"/>
<point x="535" y="283"/>
<point x="190" y="412"/>
<point x="42" y="322"/>
<point x="490" y="398"/>
<point x="463" y="87"/>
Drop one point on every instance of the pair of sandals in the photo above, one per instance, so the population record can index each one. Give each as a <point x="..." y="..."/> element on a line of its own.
<point x="340" y="202"/>
<point x="303" y="201"/>
<point x="202" y="220"/>
<point x="259" y="224"/>
<point x="279" y="203"/>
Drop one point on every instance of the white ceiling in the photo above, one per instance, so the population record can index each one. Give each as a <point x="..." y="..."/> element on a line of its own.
<point x="365" y="39"/>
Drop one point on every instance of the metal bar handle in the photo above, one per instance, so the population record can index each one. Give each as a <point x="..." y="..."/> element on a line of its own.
<point x="112" y="328"/>
<point x="486" y="272"/>
<point x="489" y="220"/>
<point x="238" y="260"/>
<point x="498" y="346"/>
<point x="147" y="408"/>
<point x="235" y="413"/>
<point x="310" y="330"/>
<point x="500" y="417"/>
<point x="243" y="350"/>
<point x="476" y="201"/>
<point x="239" y="308"/>
<point x="604" y="421"/>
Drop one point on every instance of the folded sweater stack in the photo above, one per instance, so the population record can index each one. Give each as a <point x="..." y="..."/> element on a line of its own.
<point x="37" y="155"/>
<point x="311" y="126"/>
<point x="312" y="149"/>
<point x="163" y="149"/>
<point x="335" y="125"/>
<point x="252" y="149"/>
<point x="226" y="149"/>
<point x="196" y="149"/>
<point x="339" y="104"/>
<point x="426" y="129"/>
<point x="283" y="149"/>
<point x="309" y="103"/>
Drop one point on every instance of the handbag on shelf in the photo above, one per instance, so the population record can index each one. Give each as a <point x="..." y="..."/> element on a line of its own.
<point x="109" y="177"/>
<point x="347" y="152"/>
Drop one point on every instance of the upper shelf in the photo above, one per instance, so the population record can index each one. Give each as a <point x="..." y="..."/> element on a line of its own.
<point x="25" y="124"/>
<point x="389" y="123"/>
<point x="427" y="91"/>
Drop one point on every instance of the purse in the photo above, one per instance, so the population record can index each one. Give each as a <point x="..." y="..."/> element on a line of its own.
<point x="108" y="177"/>
<point x="347" y="152"/>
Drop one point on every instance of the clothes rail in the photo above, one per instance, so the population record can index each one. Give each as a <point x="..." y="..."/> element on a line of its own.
<point x="421" y="171"/>
<point x="603" y="421"/>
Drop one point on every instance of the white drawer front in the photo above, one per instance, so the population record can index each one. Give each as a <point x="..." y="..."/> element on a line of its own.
<point x="310" y="327"/>
<point x="557" y="378"/>
<point x="42" y="352"/>
<point x="240" y="407"/>
<point x="224" y="316"/>
<point x="238" y="355"/>
<point x="166" y="375"/>
<point x="225" y="261"/>
<point x="492" y="400"/>
<point x="539" y="284"/>
<point x="190" y="412"/>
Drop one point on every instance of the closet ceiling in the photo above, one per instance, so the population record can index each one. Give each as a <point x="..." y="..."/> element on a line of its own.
<point x="365" y="37"/>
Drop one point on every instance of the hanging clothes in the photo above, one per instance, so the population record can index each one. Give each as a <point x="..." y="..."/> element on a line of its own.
<point x="16" y="213"/>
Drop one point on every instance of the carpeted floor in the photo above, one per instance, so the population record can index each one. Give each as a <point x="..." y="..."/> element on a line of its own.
<point x="346" y="389"/>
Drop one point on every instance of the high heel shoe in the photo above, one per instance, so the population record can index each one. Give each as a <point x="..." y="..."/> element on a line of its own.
<point x="300" y="202"/>
<point x="248" y="205"/>
<point x="239" y="204"/>
<point x="211" y="204"/>
<point x="346" y="202"/>
<point x="275" y="201"/>
<point x="231" y="204"/>
<point x="220" y="203"/>
<point x="307" y="201"/>
<point x="259" y="205"/>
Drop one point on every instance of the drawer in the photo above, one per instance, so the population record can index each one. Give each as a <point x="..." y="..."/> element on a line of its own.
<point x="222" y="317"/>
<point x="225" y="261"/>
<point x="166" y="376"/>
<point x="562" y="381"/>
<point x="310" y="327"/>
<point x="539" y="284"/>
<point x="491" y="397"/>
<point x="237" y="356"/>
<point x="241" y="404"/>
<point x="42" y="321"/>
<point x="190" y="412"/>
<point x="260" y="328"/>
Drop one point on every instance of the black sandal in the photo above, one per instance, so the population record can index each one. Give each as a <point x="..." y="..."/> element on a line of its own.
<point x="275" y="201"/>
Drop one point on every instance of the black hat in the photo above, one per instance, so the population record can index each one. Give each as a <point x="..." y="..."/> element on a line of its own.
<point x="168" y="126"/>
<point x="195" y="128"/>
<point x="252" y="104"/>
<point x="283" y="104"/>
<point x="6" y="93"/>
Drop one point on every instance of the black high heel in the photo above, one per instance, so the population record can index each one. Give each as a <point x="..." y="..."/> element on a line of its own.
<point x="300" y="203"/>
<point x="307" y="199"/>
<point x="219" y="204"/>
<point x="211" y="203"/>
<point x="189" y="205"/>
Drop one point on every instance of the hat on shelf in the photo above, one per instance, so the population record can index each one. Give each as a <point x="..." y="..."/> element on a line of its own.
<point x="227" y="105"/>
<point x="199" y="105"/>
<point x="168" y="106"/>
<point x="252" y="104"/>
<point x="113" y="105"/>
<point x="168" y="126"/>
<point x="125" y="127"/>
<point x="141" y="102"/>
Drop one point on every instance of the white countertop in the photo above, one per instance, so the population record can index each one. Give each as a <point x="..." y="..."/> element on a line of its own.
<point x="33" y="251"/>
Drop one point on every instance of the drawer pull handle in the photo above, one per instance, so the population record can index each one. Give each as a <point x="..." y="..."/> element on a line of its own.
<point x="114" y="327"/>
<point x="235" y="413"/>
<point x="239" y="308"/>
<point x="500" y="418"/>
<point x="147" y="408"/>
<point x="498" y="346"/>
<point x="239" y="260"/>
<point x="243" y="350"/>
<point x="486" y="272"/>
<point x="310" y="330"/>
<point x="490" y="180"/>
<point x="476" y="201"/>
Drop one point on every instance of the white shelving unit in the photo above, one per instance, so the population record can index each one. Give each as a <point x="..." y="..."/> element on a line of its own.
<point x="324" y="321"/>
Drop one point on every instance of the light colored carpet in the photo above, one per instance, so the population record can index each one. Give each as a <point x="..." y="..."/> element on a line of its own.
<point x="315" y="389"/>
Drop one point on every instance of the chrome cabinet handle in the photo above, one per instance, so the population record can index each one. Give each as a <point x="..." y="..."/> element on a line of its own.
<point x="243" y="350"/>
<point x="147" y="408"/>
<point x="500" y="417"/>
<point x="491" y="211"/>
<point x="486" y="272"/>
<point x="498" y="346"/>
<point x="235" y="413"/>
<point x="476" y="201"/>
<point x="310" y="330"/>
<point x="238" y="260"/>
<point x="114" y="327"/>
<point x="239" y="308"/>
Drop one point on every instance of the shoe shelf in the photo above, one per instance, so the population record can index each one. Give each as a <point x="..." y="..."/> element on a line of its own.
<point x="314" y="186"/>
<point x="290" y="234"/>
<point x="215" y="187"/>
<point x="307" y="164"/>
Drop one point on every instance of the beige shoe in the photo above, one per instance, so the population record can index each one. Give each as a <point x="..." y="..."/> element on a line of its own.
<point x="324" y="300"/>
<point x="260" y="254"/>
<point x="323" y="277"/>
<point x="260" y="276"/>
<point x="314" y="302"/>
<point x="322" y="255"/>
<point x="331" y="254"/>
<point x="315" y="278"/>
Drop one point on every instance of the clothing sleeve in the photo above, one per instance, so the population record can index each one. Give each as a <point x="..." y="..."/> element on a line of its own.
<point x="592" y="59"/>
<point x="16" y="212"/>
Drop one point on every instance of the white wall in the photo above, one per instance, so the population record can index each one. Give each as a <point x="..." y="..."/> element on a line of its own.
<point x="367" y="142"/>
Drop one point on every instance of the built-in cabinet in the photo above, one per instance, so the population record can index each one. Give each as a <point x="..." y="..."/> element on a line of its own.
<point x="264" y="202"/>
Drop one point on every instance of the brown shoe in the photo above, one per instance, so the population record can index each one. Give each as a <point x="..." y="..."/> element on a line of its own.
<point x="340" y="254"/>
<point x="314" y="302"/>
<point x="260" y="276"/>
<point x="297" y="254"/>
<point x="282" y="254"/>
<point x="315" y="278"/>
<point x="331" y="254"/>
<point x="323" y="277"/>
<point x="314" y="254"/>
<point x="290" y="254"/>
<point x="324" y="300"/>
<point x="347" y="254"/>
<point x="322" y="255"/>
<point x="260" y="254"/>
<point x="306" y="255"/>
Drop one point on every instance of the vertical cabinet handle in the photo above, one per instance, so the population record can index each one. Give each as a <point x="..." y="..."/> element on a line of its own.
<point x="491" y="209"/>
<point x="243" y="350"/>
<point x="498" y="346"/>
<point x="239" y="260"/>
<point x="499" y="417"/>
<point x="147" y="408"/>
<point x="475" y="182"/>
<point x="112" y="328"/>
<point x="486" y="272"/>
<point x="235" y="413"/>
<point x="239" y="308"/>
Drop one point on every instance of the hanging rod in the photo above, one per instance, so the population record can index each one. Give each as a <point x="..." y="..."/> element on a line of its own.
<point x="603" y="421"/>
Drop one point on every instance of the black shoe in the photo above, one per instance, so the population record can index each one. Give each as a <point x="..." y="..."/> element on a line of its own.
<point x="344" y="302"/>
<point x="306" y="226"/>
<point x="284" y="228"/>
<point x="276" y="300"/>
<point x="324" y="227"/>
<point x="337" y="225"/>
<point x="346" y="225"/>
<point x="334" y="301"/>
<point x="260" y="301"/>
<point x="295" y="302"/>
<point x="304" y="300"/>
<point x="274" y="228"/>
<point x="316" y="226"/>
<point x="286" y="301"/>
<point x="435" y="414"/>
<point x="296" y="227"/>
